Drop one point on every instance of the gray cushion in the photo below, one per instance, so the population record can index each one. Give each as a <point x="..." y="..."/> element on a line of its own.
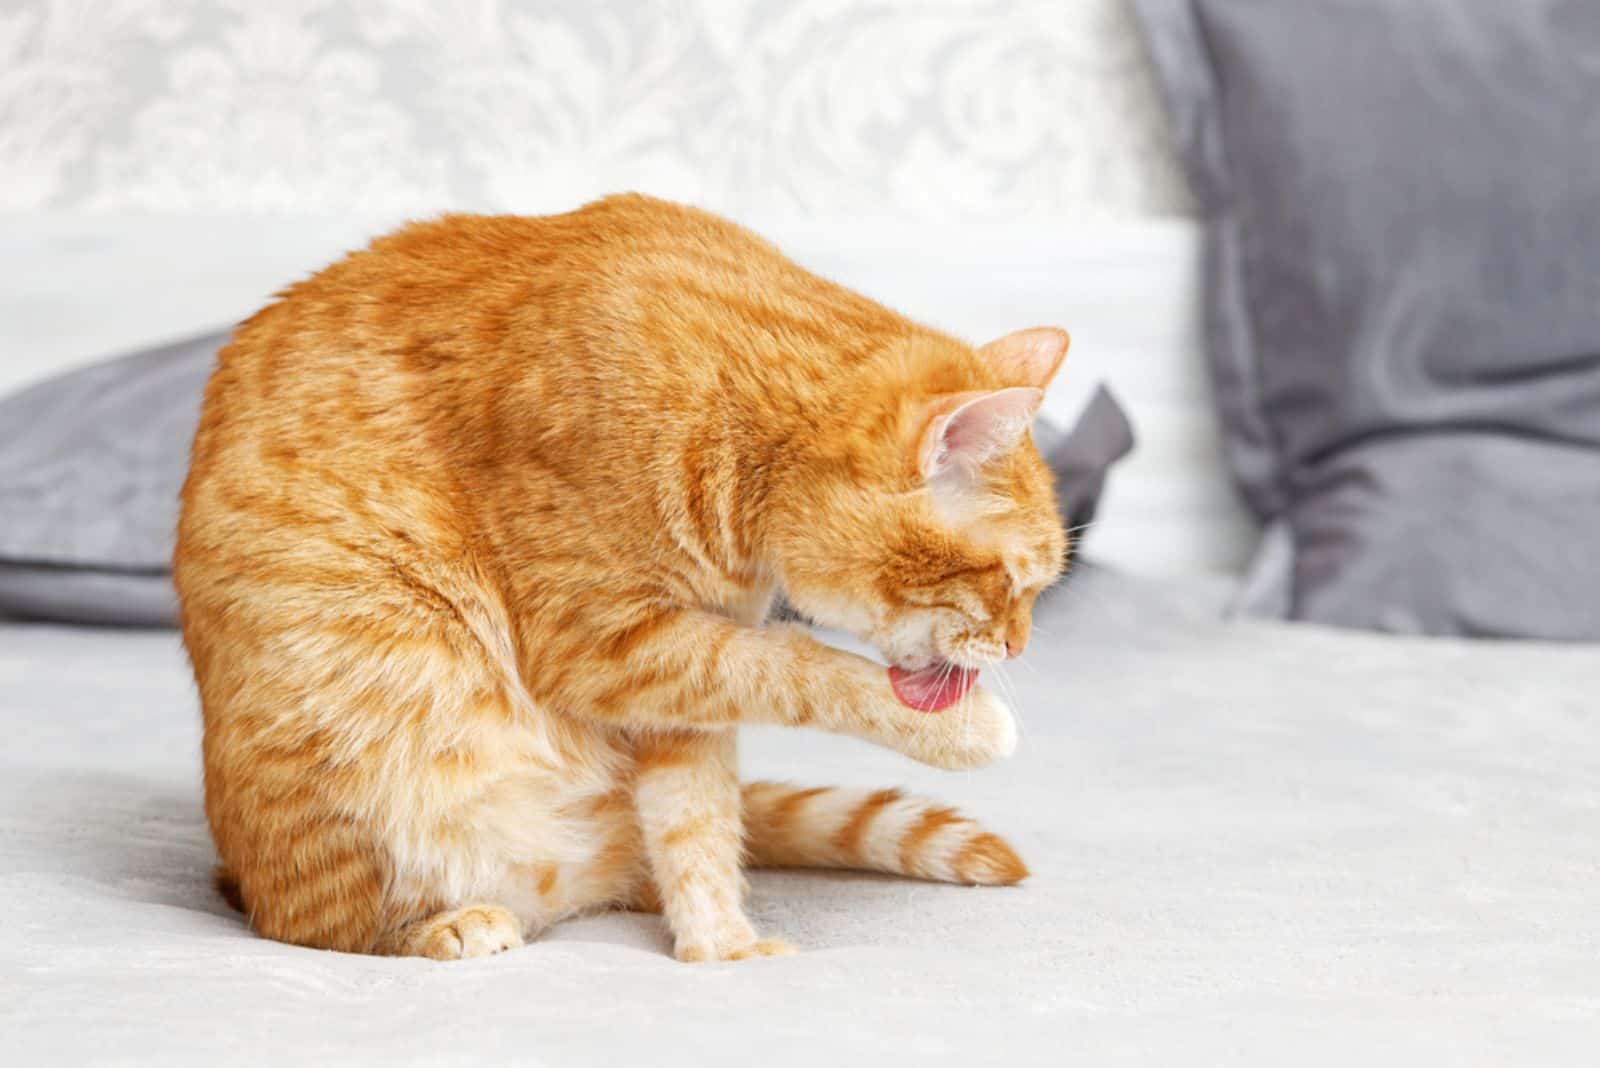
<point x="1403" y="298"/>
<point x="1082" y="456"/>
<point x="91" y="464"/>
<point x="90" y="467"/>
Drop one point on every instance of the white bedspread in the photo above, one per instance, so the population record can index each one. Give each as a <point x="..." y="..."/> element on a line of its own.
<point x="1251" y="844"/>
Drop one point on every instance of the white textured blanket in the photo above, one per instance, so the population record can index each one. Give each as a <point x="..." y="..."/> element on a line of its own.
<point x="1251" y="844"/>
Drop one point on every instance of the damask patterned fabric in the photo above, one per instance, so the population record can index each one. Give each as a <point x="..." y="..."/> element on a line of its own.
<point x="909" y="108"/>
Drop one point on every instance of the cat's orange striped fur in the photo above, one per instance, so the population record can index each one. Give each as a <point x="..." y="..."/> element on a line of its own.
<point x="479" y="537"/>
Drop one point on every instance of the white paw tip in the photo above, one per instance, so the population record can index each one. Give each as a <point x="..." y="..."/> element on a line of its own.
<point x="1006" y="744"/>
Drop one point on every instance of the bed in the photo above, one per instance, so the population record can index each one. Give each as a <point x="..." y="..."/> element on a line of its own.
<point x="1250" y="841"/>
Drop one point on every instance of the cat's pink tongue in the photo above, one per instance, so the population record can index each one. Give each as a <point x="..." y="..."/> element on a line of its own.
<point x="939" y="685"/>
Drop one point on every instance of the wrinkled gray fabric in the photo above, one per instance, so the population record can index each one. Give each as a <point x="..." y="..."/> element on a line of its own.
<point x="1403" y="205"/>
<point x="91" y="463"/>
<point x="88" y="595"/>
<point x="90" y="467"/>
<point x="1527" y="571"/>
<point x="1082" y="456"/>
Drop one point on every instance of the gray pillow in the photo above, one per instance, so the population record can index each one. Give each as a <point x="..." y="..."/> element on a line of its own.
<point x="91" y="464"/>
<point x="1403" y="299"/>
<point x="90" y="467"/>
<point x="1082" y="456"/>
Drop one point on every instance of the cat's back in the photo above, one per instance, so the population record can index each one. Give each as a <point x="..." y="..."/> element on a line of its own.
<point x="404" y="353"/>
<point x="388" y="391"/>
<point x="372" y="403"/>
<point x="594" y="261"/>
<point x="466" y="301"/>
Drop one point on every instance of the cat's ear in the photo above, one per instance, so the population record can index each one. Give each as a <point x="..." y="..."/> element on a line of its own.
<point x="1028" y="357"/>
<point x="967" y="429"/>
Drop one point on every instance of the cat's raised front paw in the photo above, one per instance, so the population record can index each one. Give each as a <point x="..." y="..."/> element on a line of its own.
<point x="978" y="731"/>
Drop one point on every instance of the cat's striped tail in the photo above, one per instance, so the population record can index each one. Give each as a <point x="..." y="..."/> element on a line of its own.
<point x="885" y="830"/>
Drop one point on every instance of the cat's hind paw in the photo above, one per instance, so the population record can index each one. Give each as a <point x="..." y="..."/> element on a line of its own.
<point x="459" y="934"/>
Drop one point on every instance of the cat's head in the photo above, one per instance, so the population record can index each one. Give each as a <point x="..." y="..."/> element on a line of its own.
<point x="928" y="523"/>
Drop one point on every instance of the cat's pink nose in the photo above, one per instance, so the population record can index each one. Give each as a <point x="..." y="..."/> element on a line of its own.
<point x="1017" y="635"/>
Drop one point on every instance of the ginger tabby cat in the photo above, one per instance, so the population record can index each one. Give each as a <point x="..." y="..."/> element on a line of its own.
<point x="477" y="545"/>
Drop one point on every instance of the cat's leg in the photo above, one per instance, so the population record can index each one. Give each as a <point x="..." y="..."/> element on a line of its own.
<point x="687" y="796"/>
<point x="650" y="667"/>
<point x="302" y="876"/>
<point x="321" y="882"/>
<point x="325" y="883"/>
<point x="351" y="754"/>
